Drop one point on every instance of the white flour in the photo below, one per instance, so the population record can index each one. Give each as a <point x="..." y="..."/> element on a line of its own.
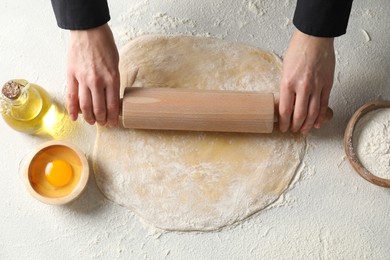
<point x="372" y="142"/>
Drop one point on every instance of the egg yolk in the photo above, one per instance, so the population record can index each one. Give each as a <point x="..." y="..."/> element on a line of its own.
<point x="58" y="173"/>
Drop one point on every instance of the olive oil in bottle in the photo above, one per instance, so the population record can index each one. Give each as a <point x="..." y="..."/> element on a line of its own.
<point x="28" y="108"/>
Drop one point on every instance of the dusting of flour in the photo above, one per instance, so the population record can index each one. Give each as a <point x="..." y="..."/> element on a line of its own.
<point x="372" y="140"/>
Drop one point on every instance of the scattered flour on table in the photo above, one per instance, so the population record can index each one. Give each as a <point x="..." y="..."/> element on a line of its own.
<point x="236" y="21"/>
<point x="255" y="7"/>
<point x="366" y="35"/>
<point x="372" y="142"/>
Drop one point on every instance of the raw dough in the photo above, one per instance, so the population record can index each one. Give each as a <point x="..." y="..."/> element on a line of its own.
<point x="190" y="180"/>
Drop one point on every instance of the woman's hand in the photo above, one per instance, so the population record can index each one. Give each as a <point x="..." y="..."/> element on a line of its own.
<point x="93" y="76"/>
<point x="307" y="79"/>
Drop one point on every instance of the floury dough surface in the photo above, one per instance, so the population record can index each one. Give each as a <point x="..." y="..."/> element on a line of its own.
<point x="193" y="180"/>
<point x="372" y="142"/>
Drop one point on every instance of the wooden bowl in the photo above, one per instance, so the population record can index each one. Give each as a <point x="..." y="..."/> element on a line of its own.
<point x="348" y="142"/>
<point x="34" y="172"/>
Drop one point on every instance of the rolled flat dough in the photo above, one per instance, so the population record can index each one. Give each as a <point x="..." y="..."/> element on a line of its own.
<point x="195" y="180"/>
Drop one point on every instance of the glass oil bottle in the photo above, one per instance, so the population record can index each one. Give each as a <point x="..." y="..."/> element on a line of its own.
<point x="28" y="108"/>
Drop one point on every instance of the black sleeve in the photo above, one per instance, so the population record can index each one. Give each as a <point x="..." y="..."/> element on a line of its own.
<point x="80" y="14"/>
<point x="322" y="18"/>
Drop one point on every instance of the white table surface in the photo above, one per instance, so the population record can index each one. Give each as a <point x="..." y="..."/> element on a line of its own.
<point x="330" y="213"/>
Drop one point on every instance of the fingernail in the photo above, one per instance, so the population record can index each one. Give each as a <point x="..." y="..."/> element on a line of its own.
<point x="113" y="125"/>
<point x="101" y="121"/>
<point x="317" y="125"/>
<point x="73" y="116"/>
<point x="91" y="122"/>
<point x="304" y="132"/>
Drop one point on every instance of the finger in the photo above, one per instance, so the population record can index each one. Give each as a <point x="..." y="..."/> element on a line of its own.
<point x="86" y="105"/>
<point x="300" y="111"/>
<point x="286" y="107"/>
<point x="99" y="104"/>
<point x="322" y="117"/>
<point x="312" y="114"/>
<point x="112" y="96"/>
<point x="73" y="98"/>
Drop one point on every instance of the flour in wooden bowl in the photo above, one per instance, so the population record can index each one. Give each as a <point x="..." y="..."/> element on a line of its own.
<point x="372" y="142"/>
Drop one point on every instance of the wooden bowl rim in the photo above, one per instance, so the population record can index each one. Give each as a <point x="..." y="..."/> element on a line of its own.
<point x="348" y="142"/>
<point x="80" y="185"/>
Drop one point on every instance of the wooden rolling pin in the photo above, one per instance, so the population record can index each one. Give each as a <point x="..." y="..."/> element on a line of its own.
<point x="198" y="110"/>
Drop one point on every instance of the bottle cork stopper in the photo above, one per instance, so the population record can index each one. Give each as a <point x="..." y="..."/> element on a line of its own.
<point x="12" y="89"/>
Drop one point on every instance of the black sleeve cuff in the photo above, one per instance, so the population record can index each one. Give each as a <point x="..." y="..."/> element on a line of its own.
<point x="80" y="14"/>
<point x="322" y="18"/>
